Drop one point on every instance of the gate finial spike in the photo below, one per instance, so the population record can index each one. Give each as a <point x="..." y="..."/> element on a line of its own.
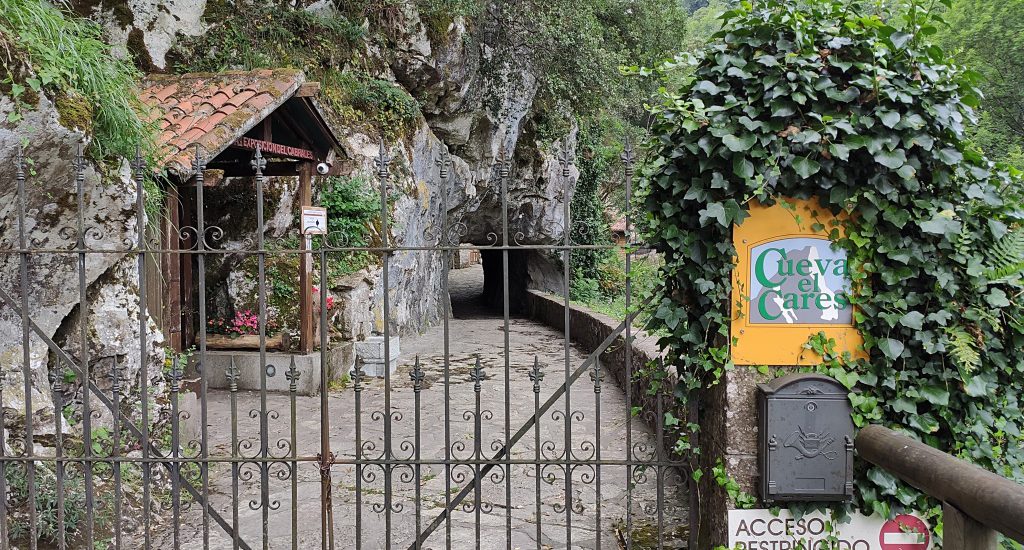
<point x="232" y="375"/>
<point x="416" y="375"/>
<point x="627" y="156"/>
<point x="382" y="161"/>
<point x="258" y="163"/>
<point x="504" y="162"/>
<point x="477" y="374"/>
<point x="536" y="375"/>
<point x="292" y="375"/>
<point x="444" y="162"/>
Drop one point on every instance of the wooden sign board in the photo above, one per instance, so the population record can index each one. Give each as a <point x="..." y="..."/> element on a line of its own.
<point x="789" y="282"/>
<point x="314" y="220"/>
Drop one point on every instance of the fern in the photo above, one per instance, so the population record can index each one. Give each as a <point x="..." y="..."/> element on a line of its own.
<point x="963" y="348"/>
<point x="1006" y="260"/>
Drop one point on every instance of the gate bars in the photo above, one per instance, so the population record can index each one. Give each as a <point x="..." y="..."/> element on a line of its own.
<point x="108" y="494"/>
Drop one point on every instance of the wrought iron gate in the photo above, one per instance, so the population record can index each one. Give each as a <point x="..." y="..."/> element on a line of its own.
<point x="454" y="450"/>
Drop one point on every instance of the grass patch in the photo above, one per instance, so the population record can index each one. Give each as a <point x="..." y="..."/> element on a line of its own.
<point x="68" y="59"/>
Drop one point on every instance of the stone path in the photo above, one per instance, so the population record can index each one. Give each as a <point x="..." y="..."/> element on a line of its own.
<point x="506" y="496"/>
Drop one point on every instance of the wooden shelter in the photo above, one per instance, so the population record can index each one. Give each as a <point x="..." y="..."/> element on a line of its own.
<point x="226" y="117"/>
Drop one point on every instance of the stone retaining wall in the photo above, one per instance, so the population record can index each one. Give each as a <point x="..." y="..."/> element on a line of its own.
<point x="587" y="329"/>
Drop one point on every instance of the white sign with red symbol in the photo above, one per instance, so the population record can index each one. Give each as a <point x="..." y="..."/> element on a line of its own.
<point x="764" y="530"/>
<point x="905" y="532"/>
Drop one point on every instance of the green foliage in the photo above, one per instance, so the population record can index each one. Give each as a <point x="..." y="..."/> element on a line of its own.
<point x="586" y="211"/>
<point x="1007" y="257"/>
<point x="823" y="99"/>
<point x="358" y="97"/>
<point x="437" y="15"/>
<point x="577" y="47"/>
<point x="352" y="206"/>
<point x="266" y="35"/>
<point x="989" y="37"/>
<point x="70" y="61"/>
<point x="72" y="490"/>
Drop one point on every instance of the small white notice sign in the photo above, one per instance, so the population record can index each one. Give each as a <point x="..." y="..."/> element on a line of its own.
<point x="314" y="220"/>
<point x="763" y="530"/>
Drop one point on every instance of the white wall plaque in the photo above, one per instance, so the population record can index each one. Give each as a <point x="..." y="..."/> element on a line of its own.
<point x="763" y="530"/>
<point x="314" y="220"/>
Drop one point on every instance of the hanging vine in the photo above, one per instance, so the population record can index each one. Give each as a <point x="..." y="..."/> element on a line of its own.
<point x="821" y="98"/>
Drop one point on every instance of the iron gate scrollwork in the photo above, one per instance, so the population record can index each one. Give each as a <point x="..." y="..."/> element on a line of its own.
<point x="453" y="450"/>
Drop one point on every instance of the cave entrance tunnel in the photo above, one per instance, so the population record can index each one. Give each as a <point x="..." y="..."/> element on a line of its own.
<point x="476" y="287"/>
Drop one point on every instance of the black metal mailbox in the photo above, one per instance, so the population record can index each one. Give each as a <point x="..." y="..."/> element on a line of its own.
<point x="806" y="439"/>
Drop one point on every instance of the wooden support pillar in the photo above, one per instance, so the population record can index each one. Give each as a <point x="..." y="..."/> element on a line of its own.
<point x="187" y="267"/>
<point x="961" y="532"/>
<point x="306" y="266"/>
<point x="171" y="266"/>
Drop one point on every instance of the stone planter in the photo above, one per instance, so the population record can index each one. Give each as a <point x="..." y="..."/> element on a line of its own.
<point x="370" y="355"/>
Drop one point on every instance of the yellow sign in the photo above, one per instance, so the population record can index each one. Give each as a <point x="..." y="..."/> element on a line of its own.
<point x="789" y="283"/>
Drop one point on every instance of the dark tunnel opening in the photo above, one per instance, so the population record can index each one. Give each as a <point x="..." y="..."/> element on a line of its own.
<point x="476" y="281"/>
<point x="518" y="279"/>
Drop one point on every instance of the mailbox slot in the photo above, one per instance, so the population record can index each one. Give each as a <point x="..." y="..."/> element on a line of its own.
<point x="806" y="439"/>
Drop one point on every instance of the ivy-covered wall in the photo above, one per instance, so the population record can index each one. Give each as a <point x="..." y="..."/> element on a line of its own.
<point x="823" y="99"/>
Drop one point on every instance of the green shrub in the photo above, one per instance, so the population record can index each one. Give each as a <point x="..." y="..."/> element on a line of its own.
<point x="352" y="206"/>
<point x="266" y="35"/>
<point x="360" y="98"/>
<point x="70" y="61"/>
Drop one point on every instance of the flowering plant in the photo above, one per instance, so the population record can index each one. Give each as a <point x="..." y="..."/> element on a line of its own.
<point x="316" y="299"/>
<point x="244" y="322"/>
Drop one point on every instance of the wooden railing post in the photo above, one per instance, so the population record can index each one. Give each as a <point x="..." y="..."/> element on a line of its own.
<point x="961" y="532"/>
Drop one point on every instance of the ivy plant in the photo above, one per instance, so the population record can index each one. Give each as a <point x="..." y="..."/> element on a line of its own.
<point x="826" y="99"/>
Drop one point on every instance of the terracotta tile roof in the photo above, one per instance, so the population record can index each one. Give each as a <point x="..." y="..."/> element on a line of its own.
<point x="619" y="226"/>
<point x="212" y="110"/>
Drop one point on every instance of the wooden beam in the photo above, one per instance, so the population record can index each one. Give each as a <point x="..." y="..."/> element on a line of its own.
<point x="273" y="149"/>
<point x="188" y="296"/>
<point x="171" y="266"/>
<point x="242" y="169"/>
<point x="306" y="268"/>
<point x="989" y="499"/>
<point x="308" y="89"/>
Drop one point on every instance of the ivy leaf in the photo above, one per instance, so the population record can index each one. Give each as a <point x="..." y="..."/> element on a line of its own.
<point x="900" y="39"/>
<point x="844" y="96"/>
<point x="884" y="480"/>
<point x="941" y="225"/>
<point x="846" y="378"/>
<point x="889" y="118"/>
<point x="739" y="144"/>
<point x="742" y="167"/>
<point x="805" y="167"/>
<point x="714" y="210"/>
<point x="997" y="298"/>
<point x="912" y="319"/>
<point x="782" y="109"/>
<point x="904" y="405"/>
<point x="936" y="395"/>
<point x="840" y="151"/>
<point x="891" y="159"/>
<point x="907" y="172"/>
<point x="707" y="87"/>
<point x="950" y="156"/>
<point x="890" y="347"/>
<point x="924" y="423"/>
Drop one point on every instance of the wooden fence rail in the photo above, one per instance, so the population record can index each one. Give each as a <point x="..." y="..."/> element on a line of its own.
<point x="976" y="503"/>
